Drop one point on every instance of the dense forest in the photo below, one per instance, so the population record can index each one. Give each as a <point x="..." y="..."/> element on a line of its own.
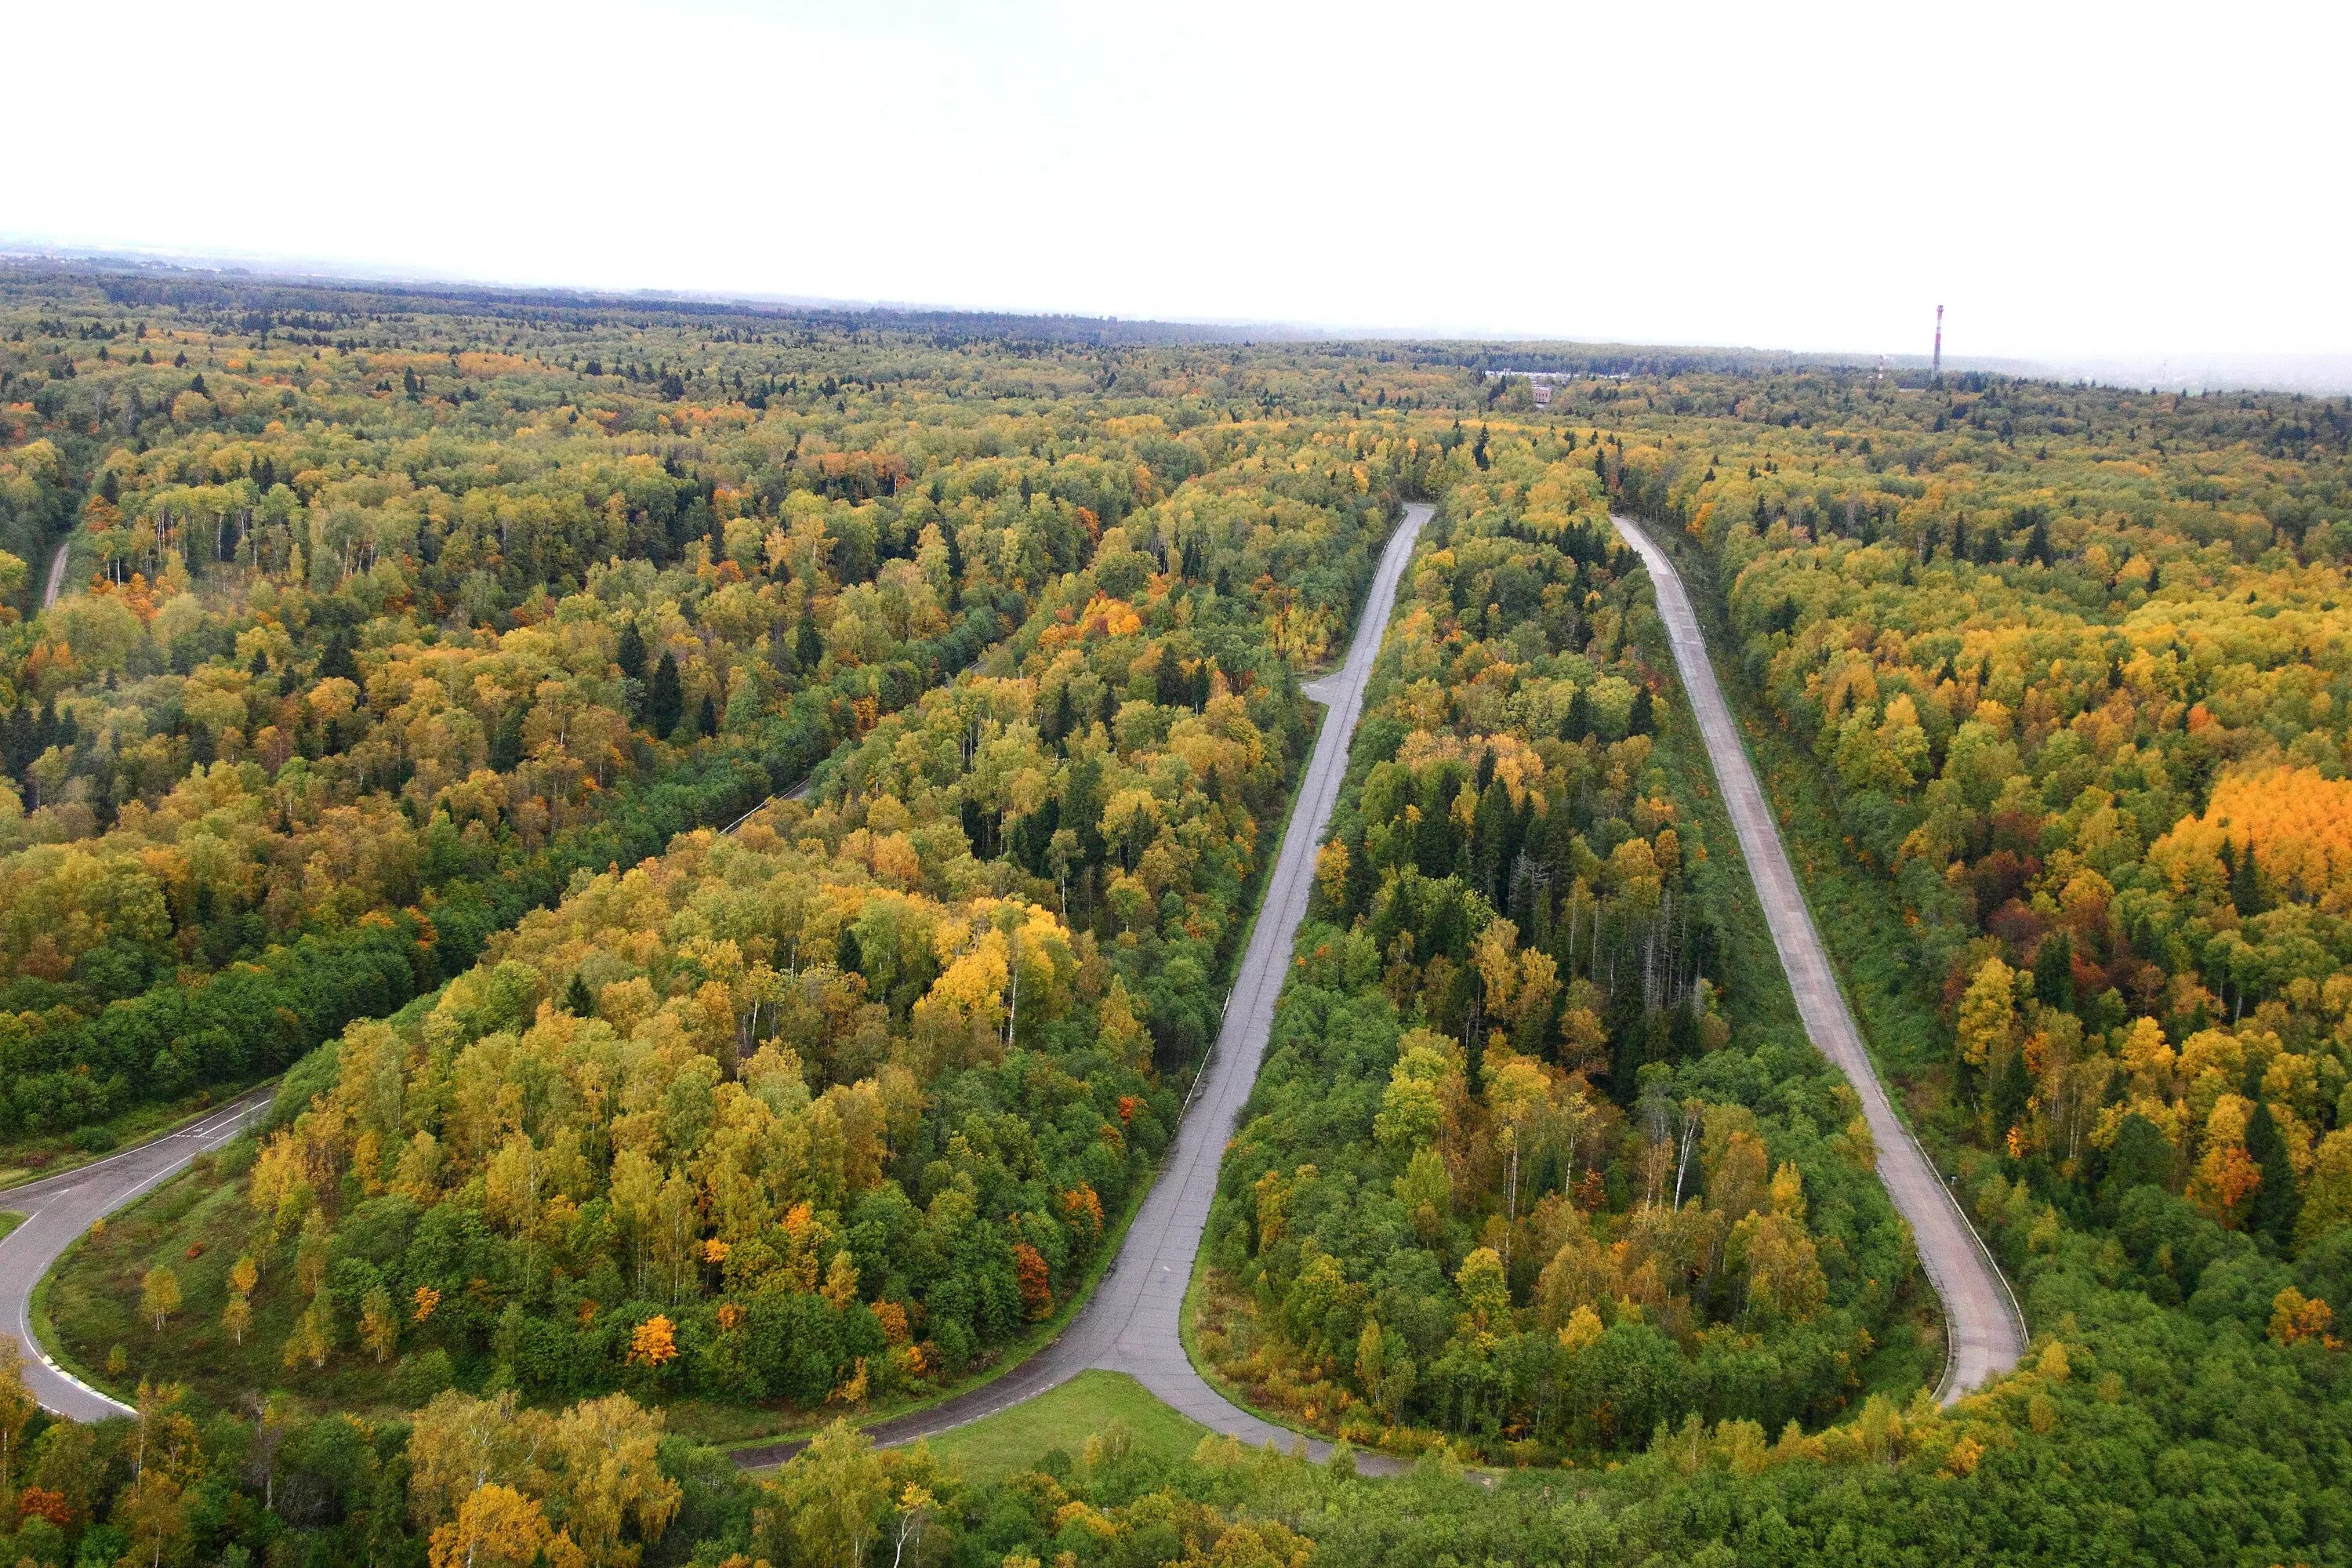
<point x="389" y="620"/>
<point x="419" y="652"/>
<point x="825" y="1108"/>
<point x="1513" y="1173"/>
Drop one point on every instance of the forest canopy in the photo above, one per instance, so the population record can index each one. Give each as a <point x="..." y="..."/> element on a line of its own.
<point x="738" y="823"/>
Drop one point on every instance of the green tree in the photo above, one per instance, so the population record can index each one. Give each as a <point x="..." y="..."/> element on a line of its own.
<point x="2276" y="1204"/>
<point x="829" y="1504"/>
<point x="16" y="1409"/>
<point x="159" y="1295"/>
<point x="664" y="701"/>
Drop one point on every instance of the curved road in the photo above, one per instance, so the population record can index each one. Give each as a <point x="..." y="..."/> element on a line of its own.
<point x="1130" y="1323"/>
<point x="1985" y="1332"/>
<point x="58" y="1208"/>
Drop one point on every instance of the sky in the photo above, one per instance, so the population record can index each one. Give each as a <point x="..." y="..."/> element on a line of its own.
<point x="2069" y="180"/>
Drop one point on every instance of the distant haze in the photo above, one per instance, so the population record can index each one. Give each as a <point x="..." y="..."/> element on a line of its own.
<point x="2149" y="189"/>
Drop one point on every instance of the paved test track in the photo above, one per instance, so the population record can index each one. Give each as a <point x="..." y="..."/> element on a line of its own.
<point x="58" y="1208"/>
<point x="1985" y="1332"/>
<point x="1130" y="1323"/>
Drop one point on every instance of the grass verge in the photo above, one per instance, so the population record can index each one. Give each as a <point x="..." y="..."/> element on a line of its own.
<point x="1062" y="1419"/>
<point x="45" y="1329"/>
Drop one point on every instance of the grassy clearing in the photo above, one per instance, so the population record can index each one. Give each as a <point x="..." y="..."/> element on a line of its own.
<point x="9" y="1220"/>
<point x="1063" y="1419"/>
<point x="195" y="1225"/>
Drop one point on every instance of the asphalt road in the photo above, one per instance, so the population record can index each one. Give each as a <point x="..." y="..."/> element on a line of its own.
<point x="1985" y="1332"/>
<point x="1130" y="1323"/>
<point x="58" y="1208"/>
<point x="56" y="574"/>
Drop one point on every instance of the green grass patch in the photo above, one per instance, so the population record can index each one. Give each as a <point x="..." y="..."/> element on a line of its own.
<point x="1090" y="1404"/>
<point x="9" y="1220"/>
<point x="196" y="1224"/>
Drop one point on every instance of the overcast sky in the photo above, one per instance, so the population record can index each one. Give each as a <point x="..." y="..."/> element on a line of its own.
<point x="2067" y="179"/>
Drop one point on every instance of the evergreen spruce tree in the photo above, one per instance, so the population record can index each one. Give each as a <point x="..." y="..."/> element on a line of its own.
<point x="2275" y="1202"/>
<point x="2245" y="880"/>
<point x="2054" y="971"/>
<point x="666" y="702"/>
<point x="506" y="742"/>
<point x="1579" y="723"/>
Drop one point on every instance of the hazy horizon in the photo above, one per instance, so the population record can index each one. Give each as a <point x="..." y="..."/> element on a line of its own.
<point x="2061" y="182"/>
<point x="2070" y="185"/>
<point x="2327" y="374"/>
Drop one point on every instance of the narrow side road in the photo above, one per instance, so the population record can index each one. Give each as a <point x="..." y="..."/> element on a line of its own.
<point x="58" y="1208"/>
<point x="57" y="574"/>
<point x="1985" y="1330"/>
<point x="1131" y="1323"/>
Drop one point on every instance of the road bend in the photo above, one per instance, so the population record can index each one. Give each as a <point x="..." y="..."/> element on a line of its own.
<point x="58" y="1208"/>
<point x="1984" y="1330"/>
<point x="1130" y="1324"/>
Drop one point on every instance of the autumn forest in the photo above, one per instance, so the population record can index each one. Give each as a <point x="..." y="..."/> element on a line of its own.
<point x="723" y="837"/>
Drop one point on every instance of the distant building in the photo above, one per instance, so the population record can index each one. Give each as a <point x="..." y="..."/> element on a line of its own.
<point x="1543" y="394"/>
